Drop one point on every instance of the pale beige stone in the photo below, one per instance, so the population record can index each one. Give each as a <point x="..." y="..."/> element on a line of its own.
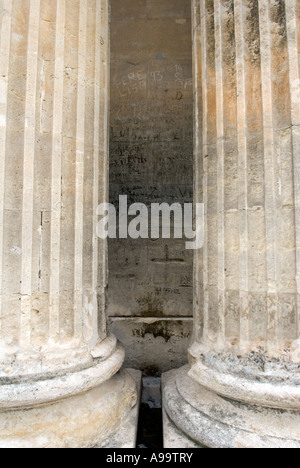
<point x="242" y="387"/>
<point x="60" y="384"/>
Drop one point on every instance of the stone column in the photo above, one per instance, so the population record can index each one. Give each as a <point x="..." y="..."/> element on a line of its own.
<point x="59" y="380"/>
<point x="243" y="384"/>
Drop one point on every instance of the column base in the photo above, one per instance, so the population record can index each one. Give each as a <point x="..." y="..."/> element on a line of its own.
<point x="81" y="409"/>
<point x="212" y="421"/>
<point x="126" y="435"/>
<point x="174" y="438"/>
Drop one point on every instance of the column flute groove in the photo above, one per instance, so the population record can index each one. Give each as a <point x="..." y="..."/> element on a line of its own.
<point x="204" y="153"/>
<point x="198" y="173"/>
<point x="79" y="172"/>
<point x="28" y="172"/>
<point x="243" y="167"/>
<point x="270" y="165"/>
<point x="56" y="175"/>
<point x="293" y="39"/>
<point x="220" y="169"/>
<point x="4" y="70"/>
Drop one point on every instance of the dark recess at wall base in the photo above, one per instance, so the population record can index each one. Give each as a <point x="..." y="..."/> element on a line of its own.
<point x="150" y="429"/>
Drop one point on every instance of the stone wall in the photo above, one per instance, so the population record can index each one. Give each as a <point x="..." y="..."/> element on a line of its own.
<point x="151" y="160"/>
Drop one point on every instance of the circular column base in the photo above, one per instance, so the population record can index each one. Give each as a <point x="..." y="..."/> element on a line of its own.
<point x="218" y="422"/>
<point x="78" y="410"/>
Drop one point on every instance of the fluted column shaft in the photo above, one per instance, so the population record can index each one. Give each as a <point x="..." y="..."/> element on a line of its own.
<point x="54" y="72"/>
<point x="248" y="175"/>
<point x="246" y="344"/>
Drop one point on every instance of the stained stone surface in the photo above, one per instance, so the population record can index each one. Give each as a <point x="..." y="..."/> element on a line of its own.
<point x="126" y="436"/>
<point x="60" y="384"/>
<point x="61" y="377"/>
<point x="174" y="438"/>
<point x="151" y="161"/>
<point x="204" y="416"/>
<point x="243" y="386"/>
<point x="152" y="344"/>
<point x="247" y="176"/>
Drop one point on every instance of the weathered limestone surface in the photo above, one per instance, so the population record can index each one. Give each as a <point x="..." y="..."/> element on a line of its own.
<point x="151" y="161"/>
<point x="243" y="387"/>
<point x="152" y="344"/>
<point x="59" y="380"/>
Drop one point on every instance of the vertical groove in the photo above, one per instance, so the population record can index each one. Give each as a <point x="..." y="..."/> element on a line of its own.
<point x="5" y="37"/>
<point x="96" y="148"/>
<point x="80" y="138"/>
<point x="104" y="163"/>
<point x="198" y="166"/>
<point x="293" y="41"/>
<point x="56" y="171"/>
<point x="96" y="154"/>
<point x="270" y="161"/>
<point x="205" y="165"/>
<point x="220" y="168"/>
<point x="28" y="171"/>
<point x="242" y="172"/>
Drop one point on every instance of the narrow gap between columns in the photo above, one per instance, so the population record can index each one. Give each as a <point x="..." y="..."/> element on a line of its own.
<point x="150" y="427"/>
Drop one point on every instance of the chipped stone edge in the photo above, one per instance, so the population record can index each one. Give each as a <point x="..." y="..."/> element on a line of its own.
<point x="173" y="437"/>
<point x="126" y="436"/>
